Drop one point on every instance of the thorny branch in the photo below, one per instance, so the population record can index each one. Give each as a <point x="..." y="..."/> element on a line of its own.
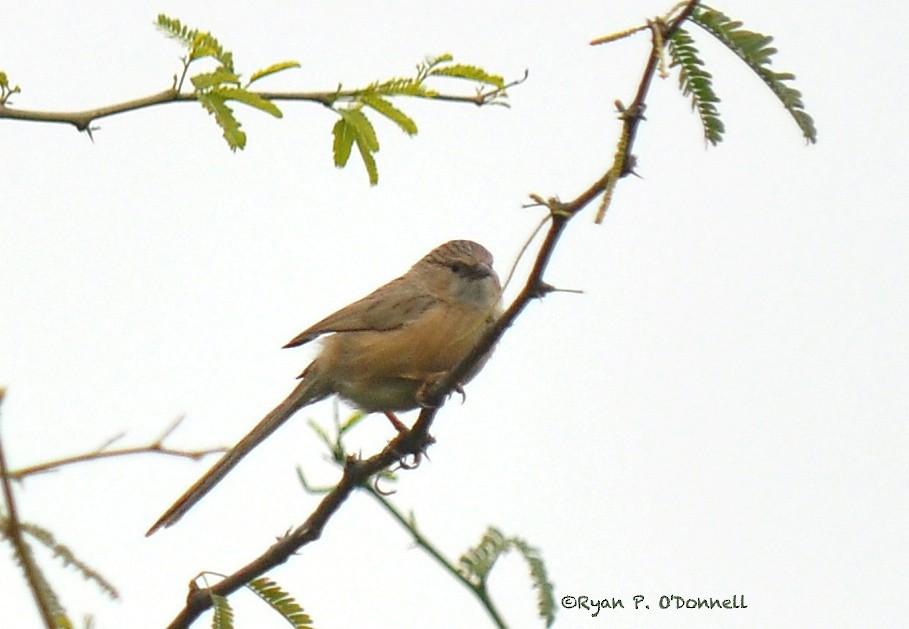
<point x="357" y="472"/>
<point x="83" y="120"/>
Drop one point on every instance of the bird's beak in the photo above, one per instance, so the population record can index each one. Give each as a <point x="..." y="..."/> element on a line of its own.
<point x="481" y="270"/>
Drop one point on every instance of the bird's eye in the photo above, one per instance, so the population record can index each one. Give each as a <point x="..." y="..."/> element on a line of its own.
<point x="457" y="268"/>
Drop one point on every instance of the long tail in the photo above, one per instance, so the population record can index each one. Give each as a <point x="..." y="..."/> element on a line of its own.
<point x="309" y="390"/>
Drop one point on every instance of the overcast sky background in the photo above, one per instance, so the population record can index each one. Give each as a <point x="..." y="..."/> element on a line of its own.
<point x="722" y="411"/>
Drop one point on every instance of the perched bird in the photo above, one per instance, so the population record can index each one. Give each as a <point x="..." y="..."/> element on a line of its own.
<point x="383" y="349"/>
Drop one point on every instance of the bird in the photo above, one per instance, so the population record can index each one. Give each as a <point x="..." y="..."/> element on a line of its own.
<point x="381" y="351"/>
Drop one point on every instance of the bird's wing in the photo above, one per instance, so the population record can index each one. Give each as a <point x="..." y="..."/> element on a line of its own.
<point x="389" y="307"/>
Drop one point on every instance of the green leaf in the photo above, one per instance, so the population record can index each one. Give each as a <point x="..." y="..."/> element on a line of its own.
<point x="476" y="563"/>
<point x="175" y="29"/>
<point x="471" y="73"/>
<point x="205" y="45"/>
<point x="402" y="87"/>
<point x="24" y="556"/>
<point x="391" y="112"/>
<point x="755" y="50"/>
<point x="354" y="126"/>
<point x="224" y="616"/>
<point x="366" y="153"/>
<point x="249" y="98"/>
<point x="68" y="558"/>
<point x="224" y="116"/>
<point x="545" y="589"/>
<point x="218" y="77"/>
<point x="200" y="44"/>
<point x="344" y="135"/>
<point x="696" y="82"/>
<point x="272" y="69"/>
<point x="363" y="128"/>
<point x="355" y="418"/>
<point x="281" y="602"/>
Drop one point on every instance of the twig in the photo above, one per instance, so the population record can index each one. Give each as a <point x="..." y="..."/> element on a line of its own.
<point x="23" y="552"/>
<point x="358" y="471"/>
<point x="156" y="447"/>
<point x="477" y="590"/>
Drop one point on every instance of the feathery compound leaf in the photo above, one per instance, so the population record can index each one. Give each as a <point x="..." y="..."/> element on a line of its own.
<point x="46" y="538"/>
<point x="172" y="27"/>
<point x="199" y="43"/>
<point x="272" y="69"/>
<point x="249" y="98"/>
<point x="391" y="112"/>
<point x="545" y="589"/>
<point x="402" y="87"/>
<point x="224" y="116"/>
<point x="472" y="73"/>
<point x="755" y="50"/>
<point x="208" y="80"/>
<point x="366" y="154"/>
<point x="362" y="126"/>
<point x="204" y="45"/>
<point x="696" y="82"/>
<point x="26" y="561"/>
<point x="281" y="602"/>
<point x="344" y="135"/>
<point x="223" y="617"/>
<point x="476" y="563"/>
<point x="356" y="128"/>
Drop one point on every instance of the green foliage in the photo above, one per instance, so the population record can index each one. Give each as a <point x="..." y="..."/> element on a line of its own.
<point x="223" y="617"/>
<point x="476" y="564"/>
<point x="215" y="88"/>
<point x="384" y="107"/>
<point x="355" y="127"/>
<point x="25" y="557"/>
<point x="545" y="599"/>
<point x="696" y="82"/>
<point x="471" y="73"/>
<point x="272" y="69"/>
<point x="215" y="104"/>
<point x="68" y="558"/>
<point x="754" y="49"/>
<point x="281" y="602"/>
<point x="200" y="44"/>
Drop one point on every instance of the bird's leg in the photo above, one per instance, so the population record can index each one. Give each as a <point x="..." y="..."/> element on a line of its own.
<point x="397" y="423"/>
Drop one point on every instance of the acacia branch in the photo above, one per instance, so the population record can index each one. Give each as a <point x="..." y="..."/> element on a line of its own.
<point x="357" y="472"/>
<point x="83" y="120"/>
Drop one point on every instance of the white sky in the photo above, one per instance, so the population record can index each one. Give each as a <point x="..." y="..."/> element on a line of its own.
<point x="723" y="411"/>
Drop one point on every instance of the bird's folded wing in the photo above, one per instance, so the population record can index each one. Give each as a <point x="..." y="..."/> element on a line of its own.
<point x="388" y="308"/>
